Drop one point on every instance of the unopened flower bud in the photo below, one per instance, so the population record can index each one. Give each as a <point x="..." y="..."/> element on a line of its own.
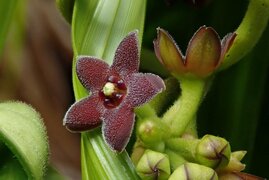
<point x="150" y="133"/>
<point x="213" y="152"/>
<point x="153" y="165"/>
<point x="138" y="152"/>
<point x="192" y="171"/>
<point x="235" y="164"/>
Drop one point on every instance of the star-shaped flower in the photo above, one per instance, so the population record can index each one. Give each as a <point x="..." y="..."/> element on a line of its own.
<point x="115" y="92"/>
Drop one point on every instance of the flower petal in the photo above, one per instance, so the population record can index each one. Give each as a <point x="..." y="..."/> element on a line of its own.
<point x="203" y="53"/>
<point x="226" y="43"/>
<point x="117" y="127"/>
<point x="92" y="72"/>
<point x="84" y="114"/>
<point x="126" y="60"/>
<point x="168" y="52"/>
<point x="141" y="88"/>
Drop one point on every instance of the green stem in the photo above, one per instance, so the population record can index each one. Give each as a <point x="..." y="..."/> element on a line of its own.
<point x="145" y="111"/>
<point x="175" y="159"/>
<point x="249" y="31"/>
<point x="184" y="109"/>
<point x="191" y="128"/>
<point x="185" y="147"/>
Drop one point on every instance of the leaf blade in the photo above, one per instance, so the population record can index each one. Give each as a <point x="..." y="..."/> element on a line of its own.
<point x="97" y="29"/>
<point x="20" y="138"/>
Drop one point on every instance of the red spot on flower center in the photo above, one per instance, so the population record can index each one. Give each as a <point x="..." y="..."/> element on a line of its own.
<point x="113" y="92"/>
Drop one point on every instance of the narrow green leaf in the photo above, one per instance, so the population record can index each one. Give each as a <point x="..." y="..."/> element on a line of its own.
<point x="7" y="9"/>
<point x="98" y="26"/>
<point x="105" y="163"/>
<point x="23" y="132"/>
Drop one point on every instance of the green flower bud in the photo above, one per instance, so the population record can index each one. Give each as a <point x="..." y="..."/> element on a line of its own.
<point x="150" y="132"/>
<point x="153" y="165"/>
<point x="213" y="152"/>
<point x="192" y="171"/>
<point x="138" y="152"/>
<point x="235" y="164"/>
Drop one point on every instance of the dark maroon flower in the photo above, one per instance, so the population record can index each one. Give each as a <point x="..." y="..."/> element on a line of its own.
<point x="115" y="92"/>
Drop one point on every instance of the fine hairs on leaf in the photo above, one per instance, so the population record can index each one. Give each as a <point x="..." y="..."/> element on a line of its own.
<point x="28" y="141"/>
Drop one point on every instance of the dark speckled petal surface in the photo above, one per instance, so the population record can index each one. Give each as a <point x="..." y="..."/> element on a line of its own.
<point x="135" y="88"/>
<point x="142" y="88"/>
<point x="84" y="114"/>
<point x="126" y="60"/>
<point x="117" y="127"/>
<point x="92" y="72"/>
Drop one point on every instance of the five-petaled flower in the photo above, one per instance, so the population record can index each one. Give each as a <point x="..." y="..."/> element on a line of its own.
<point x="204" y="54"/>
<point x="115" y="92"/>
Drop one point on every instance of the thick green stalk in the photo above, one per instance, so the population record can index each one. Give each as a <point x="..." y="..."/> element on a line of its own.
<point x="145" y="111"/>
<point x="185" y="147"/>
<point x="191" y="129"/>
<point x="98" y="26"/>
<point x="184" y="109"/>
<point x="249" y="31"/>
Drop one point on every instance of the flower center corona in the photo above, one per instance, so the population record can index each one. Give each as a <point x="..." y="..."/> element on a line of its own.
<point x="113" y="92"/>
<point x="109" y="89"/>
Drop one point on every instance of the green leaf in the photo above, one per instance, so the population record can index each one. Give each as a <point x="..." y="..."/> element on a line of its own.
<point x="98" y="26"/>
<point x="23" y="132"/>
<point x="7" y="9"/>
<point x="12" y="170"/>
<point x="99" y="162"/>
<point x="10" y="167"/>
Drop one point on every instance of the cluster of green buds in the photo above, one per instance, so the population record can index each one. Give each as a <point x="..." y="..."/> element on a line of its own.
<point x="189" y="158"/>
<point x="167" y="144"/>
